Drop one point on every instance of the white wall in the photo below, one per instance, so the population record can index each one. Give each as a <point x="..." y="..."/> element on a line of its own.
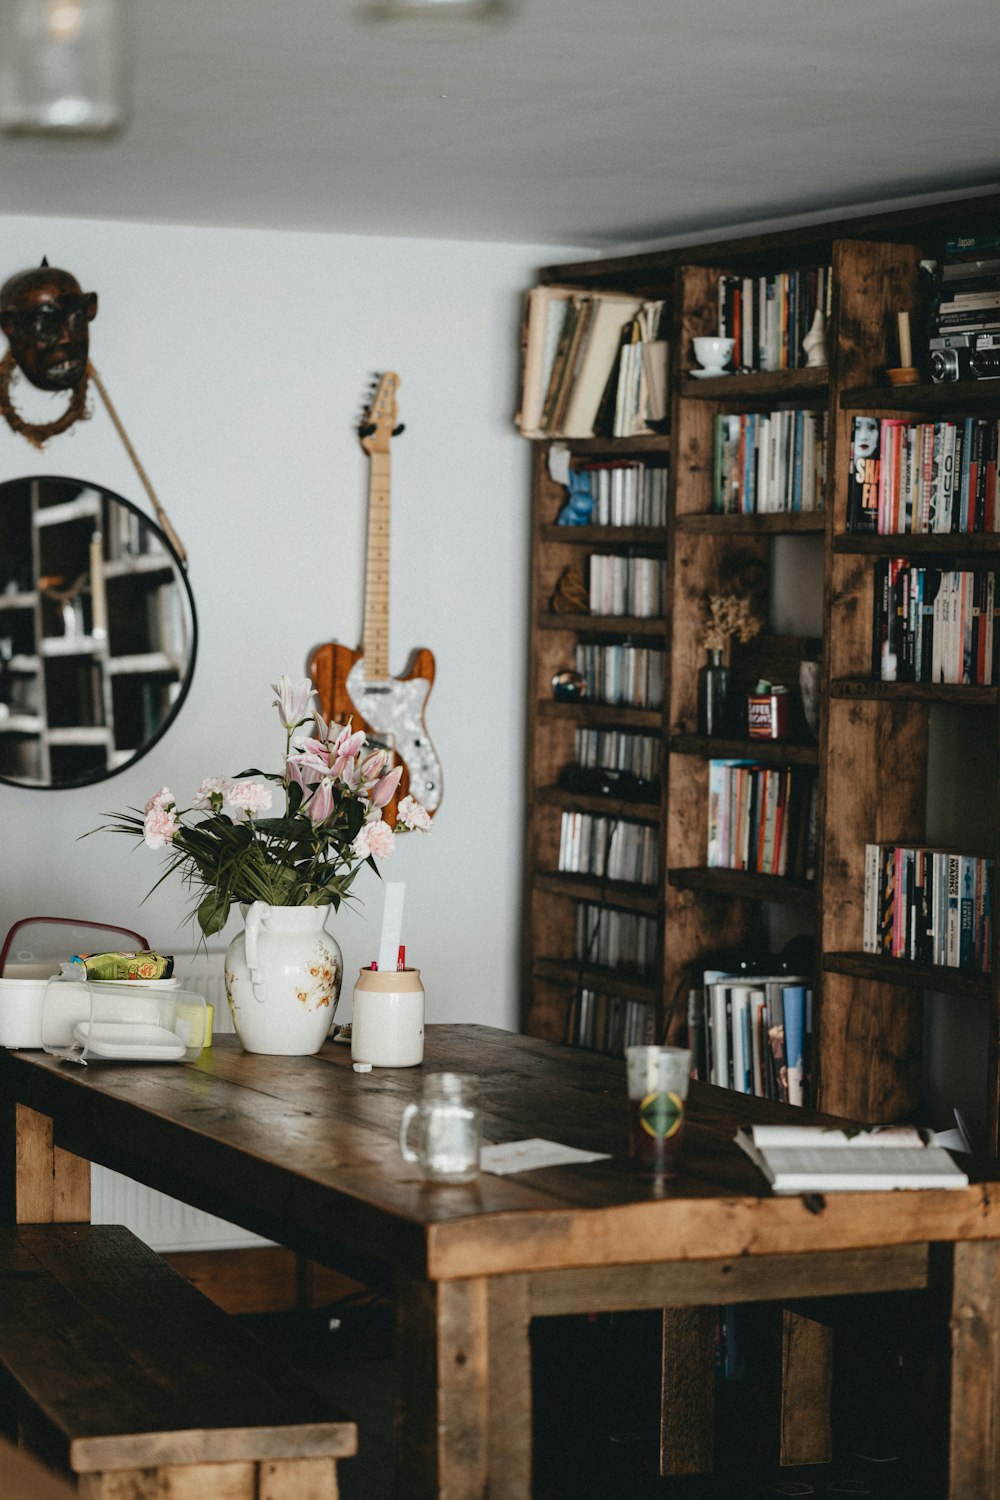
<point x="238" y="361"/>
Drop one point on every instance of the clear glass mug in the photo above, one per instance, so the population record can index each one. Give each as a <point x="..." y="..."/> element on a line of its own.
<point x="447" y="1127"/>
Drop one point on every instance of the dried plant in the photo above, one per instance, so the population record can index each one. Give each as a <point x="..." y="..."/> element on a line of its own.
<point x="728" y="615"/>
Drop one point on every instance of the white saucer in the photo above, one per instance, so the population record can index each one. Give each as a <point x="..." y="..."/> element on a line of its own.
<point x="708" y="374"/>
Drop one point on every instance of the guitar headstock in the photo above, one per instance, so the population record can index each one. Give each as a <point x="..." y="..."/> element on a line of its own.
<point x="379" y="421"/>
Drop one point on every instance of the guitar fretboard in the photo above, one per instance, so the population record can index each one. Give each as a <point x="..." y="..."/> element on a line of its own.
<point x="375" y="644"/>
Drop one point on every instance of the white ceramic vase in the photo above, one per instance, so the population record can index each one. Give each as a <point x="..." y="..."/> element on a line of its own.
<point x="283" y="977"/>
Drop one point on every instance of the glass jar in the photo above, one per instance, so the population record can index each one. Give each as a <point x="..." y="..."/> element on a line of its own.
<point x="447" y="1128"/>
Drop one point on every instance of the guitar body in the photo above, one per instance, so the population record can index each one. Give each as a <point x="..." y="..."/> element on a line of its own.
<point x="390" y="710"/>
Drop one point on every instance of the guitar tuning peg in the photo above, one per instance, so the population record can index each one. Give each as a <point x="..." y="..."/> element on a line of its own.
<point x="366" y="429"/>
<point x="397" y="430"/>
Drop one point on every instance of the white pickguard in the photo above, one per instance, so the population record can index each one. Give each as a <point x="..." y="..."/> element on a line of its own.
<point x="395" y="711"/>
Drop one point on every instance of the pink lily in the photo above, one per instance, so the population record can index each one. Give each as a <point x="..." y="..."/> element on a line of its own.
<point x="292" y="701"/>
<point x="320" y="804"/>
<point x="382" y="792"/>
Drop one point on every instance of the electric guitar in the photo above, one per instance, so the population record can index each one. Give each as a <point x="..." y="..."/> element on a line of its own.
<point x="356" y="685"/>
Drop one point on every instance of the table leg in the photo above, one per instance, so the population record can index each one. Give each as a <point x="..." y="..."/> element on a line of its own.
<point x="442" y="1422"/>
<point x="39" y="1182"/>
<point x="974" y="1444"/>
<point x="510" y="1388"/>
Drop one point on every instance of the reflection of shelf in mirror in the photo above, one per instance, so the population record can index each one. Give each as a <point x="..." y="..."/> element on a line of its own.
<point x="151" y="663"/>
<point x="119" y="758"/>
<point x="85" y="506"/>
<point x="74" y="645"/>
<point x="132" y="567"/>
<point x="79" y="734"/>
<point x="24" y="664"/>
<point x="21" y="724"/>
<point x="18" y="601"/>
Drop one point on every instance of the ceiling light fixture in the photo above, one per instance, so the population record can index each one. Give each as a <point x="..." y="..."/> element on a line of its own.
<point x="477" y="10"/>
<point x="66" y="66"/>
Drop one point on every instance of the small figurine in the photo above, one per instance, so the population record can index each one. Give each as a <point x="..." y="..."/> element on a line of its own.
<point x="580" y="504"/>
<point x="814" y="343"/>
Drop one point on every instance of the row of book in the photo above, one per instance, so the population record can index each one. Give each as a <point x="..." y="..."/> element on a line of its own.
<point x="625" y="493"/>
<point x="592" y="363"/>
<point x="762" y="818"/>
<point x="615" y="939"/>
<point x="970" y="285"/>
<point x="931" y="906"/>
<point x="626" y="585"/>
<point x="923" y="477"/>
<point x="607" y="1023"/>
<point x="619" y="750"/>
<point x="609" y="848"/>
<point x="769" y="316"/>
<point x="622" y="674"/>
<point x="935" y="624"/>
<point x="769" y="461"/>
<point x="752" y="1033"/>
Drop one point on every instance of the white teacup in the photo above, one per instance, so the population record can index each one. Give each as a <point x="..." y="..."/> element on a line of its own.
<point x="713" y="353"/>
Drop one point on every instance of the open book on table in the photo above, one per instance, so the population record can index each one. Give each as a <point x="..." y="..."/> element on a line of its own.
<point x="817" y="1159"/>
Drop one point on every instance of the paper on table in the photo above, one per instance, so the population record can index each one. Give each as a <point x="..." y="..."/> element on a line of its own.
<point x="525" y="1156"/>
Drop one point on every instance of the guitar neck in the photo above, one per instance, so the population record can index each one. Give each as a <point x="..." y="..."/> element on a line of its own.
<point x="375" y="644"/>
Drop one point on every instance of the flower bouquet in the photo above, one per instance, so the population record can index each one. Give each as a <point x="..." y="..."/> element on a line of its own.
<point x="226" y="847"/>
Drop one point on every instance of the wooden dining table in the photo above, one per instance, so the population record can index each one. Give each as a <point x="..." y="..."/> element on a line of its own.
<point x="305" y="1151"/>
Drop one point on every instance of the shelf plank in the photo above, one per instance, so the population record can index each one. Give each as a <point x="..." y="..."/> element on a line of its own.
<point x="151" y="663"/>
<point x="613" y="716"/>
<point x="761" y="385"/>
<point x="80" y="734"/>
<point x="911" y="976"/>
<point x="953" y="395"/>
<point x="616" y="807"/>
<point x="771" y="523"/>
<point x="607" y="536"/>
<point x="143" y="566"/>
<point x="642" y="442"/>
<point x="623" y="625"/>
<point x="769" y="752"/>
<point x="18" y="601"/>
<point x="913" y="692"/>
<point x="949" y="544"/>
<point x="629" y="984"/>
<point x="74" y="645"/>
<point x="620" y="893"/>
<point x="745" y="885"/>
<point x="22" y="724"/>
<point x="84" y="507"/>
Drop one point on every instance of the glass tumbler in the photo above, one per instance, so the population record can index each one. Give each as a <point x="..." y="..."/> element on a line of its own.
<point x="447" y="1129"/>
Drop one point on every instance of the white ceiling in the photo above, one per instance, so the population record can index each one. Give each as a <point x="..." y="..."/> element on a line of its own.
<point x="576" y="122"/>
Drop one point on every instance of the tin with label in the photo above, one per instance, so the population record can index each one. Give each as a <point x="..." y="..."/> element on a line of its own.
<point x="767" y="712"/>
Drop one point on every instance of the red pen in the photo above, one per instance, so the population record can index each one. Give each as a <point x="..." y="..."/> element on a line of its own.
<point x="401" y="960"/>
<point x="374" y="964"/>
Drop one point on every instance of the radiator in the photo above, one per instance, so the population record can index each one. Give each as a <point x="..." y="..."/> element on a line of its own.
<point x="163" y="1222"/>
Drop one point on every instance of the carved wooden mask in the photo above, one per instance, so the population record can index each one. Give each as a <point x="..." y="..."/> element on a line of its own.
<point x="47" y="318"/>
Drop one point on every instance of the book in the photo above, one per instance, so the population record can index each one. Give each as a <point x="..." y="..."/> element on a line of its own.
<point x="541" y="325"/>
<point x="597" y="357"/>
<point x="817" y="1159"/>
<point x="863" y="478"/>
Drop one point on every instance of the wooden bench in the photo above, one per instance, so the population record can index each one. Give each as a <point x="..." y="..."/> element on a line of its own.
<point x="114" y="1369"/>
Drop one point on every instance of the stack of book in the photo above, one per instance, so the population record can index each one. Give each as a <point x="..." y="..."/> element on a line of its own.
<point x="769" y="461"/>
<point x="931" y="906"/>
<point x="626" y="492"/>
<point x="607" y="1023"/>
<point x="923" y="477"/>
<point x="591" y="363"/>
<point x="635" y="755"/>
<point x="615" y="939"/>
<point x="620" y="584"/>
<point x="761" y="818"/>
<point x="608" y="848"/>
<point x="752" y="1033"/>
<point x="970" y="285"/>
<point x="622" y="673"/>
<point x="769" y="316"/>
<point x="935" y="624"/>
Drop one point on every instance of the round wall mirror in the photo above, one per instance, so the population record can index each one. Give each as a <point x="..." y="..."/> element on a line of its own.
<point x="98" y="633"/>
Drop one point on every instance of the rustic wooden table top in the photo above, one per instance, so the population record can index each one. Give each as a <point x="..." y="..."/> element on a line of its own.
<point x="305" y="1151"/>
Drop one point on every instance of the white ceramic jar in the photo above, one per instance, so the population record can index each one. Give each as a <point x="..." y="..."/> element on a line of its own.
<point x="387" y="1028"/>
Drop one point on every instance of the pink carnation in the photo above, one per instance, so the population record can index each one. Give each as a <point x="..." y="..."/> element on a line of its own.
<point x="161" y="821"/>
<point x="374" y="838"/>
<point x="414" y="815"/>
<point x="208" y="794"/>
<point x="249" y="798"/>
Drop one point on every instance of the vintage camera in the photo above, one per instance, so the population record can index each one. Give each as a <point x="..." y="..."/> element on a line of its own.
<point x="965" y="356"/>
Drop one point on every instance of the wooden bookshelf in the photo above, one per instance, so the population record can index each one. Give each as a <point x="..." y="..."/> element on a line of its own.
<point x="880" y="779"/>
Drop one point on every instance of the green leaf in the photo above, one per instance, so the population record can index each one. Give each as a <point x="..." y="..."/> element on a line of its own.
<point x="213" y="912"/>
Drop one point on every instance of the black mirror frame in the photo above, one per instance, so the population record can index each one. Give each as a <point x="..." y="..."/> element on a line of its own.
<point x="181" y="576"/>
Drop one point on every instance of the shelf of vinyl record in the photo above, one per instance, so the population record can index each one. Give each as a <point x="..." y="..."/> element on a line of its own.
<point x="593" y="364"/>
